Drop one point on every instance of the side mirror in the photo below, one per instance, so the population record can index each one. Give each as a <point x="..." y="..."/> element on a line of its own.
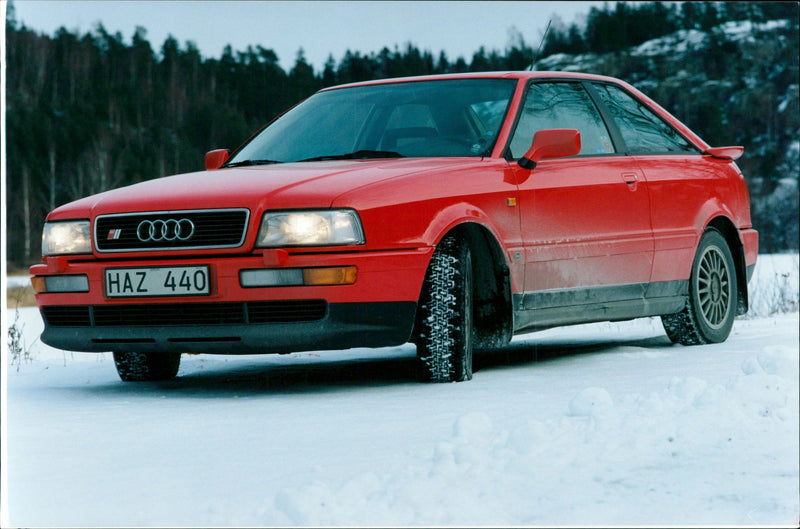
<point x="551" y="143"/>
<point x="215" y="159"/>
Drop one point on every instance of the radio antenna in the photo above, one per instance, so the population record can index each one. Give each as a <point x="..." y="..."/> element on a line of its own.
<point x="544" y="38"/>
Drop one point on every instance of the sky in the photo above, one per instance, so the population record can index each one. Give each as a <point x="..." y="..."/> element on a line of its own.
<point x="321" y="29"/>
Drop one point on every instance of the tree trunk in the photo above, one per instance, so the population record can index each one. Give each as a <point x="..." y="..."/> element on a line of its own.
<point x="26" y="213"/>
<point x="51" y="154"/>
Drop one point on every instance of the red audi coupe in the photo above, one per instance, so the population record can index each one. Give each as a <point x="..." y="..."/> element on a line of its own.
<point x="449" y="211"/>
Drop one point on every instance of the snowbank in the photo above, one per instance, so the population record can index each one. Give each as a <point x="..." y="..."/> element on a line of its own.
<point x="775" y="286"/>
<point x="645" y="459"/>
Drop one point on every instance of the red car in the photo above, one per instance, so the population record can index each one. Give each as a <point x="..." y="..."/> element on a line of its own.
<point x="450" y="211"/>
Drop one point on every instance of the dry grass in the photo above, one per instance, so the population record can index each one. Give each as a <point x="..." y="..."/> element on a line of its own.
<point x="18" y="297"/>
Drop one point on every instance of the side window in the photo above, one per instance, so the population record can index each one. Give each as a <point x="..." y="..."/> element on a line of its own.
<point x="560" y="106"/>
<point x="643" y="130"/>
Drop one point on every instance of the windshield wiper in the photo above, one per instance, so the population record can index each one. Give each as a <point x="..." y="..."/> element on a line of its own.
<point x="358" y="155"/>
<point x="246" y="163"/>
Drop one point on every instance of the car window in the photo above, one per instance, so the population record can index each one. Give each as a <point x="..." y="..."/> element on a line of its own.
<point x="411" y="116"/>
<point x="488" y="114"/>
<point x="417" y="119"/>
<point x="643" y="131"/>
<point x="331" y="127"/>
<point x="408" y="124"/>
<point x="561" y="106"/>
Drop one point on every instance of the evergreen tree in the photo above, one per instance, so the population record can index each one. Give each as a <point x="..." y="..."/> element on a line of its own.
<point x="89" y="112"/>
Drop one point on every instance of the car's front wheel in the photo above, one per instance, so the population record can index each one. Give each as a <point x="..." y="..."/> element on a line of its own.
<point x="142" y="367"/>
<point x="444" y="315"/>
<point x="713" y="296"/>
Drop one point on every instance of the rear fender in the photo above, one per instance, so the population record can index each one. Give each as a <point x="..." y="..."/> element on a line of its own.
<point x="710" y="210"/>
<point x="733" y="237"/>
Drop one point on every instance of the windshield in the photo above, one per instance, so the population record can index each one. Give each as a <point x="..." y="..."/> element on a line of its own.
<point x="459" y="117"/>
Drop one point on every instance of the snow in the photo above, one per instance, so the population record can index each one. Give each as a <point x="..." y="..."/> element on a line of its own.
<point x="775" y="283"/>
<point x="601" y="424"/>
<point x="19" y="281"/>
<point x="746" y="29"/>
<point x="681" y="41"/>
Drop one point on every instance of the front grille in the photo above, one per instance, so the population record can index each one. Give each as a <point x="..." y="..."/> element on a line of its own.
<point x="186" y="314"/>
<point x="170" y="314"/>
<point x="286" y="311"/>
<point x="213" y="228"/>
<point x="76" y="316"/>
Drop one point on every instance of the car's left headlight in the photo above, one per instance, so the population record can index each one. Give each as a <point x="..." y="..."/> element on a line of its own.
<point x="325" y="227"/>
<point x="66" y="237"/>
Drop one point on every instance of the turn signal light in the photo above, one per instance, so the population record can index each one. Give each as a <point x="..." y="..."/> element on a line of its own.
<point x="344" y="275"/>
<point x="56" y="284"/>
<point x="38" y="284"/>
<point x="289" y="277"/>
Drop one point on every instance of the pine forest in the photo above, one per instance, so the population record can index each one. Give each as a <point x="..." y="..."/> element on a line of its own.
<point x="86" y="113"/>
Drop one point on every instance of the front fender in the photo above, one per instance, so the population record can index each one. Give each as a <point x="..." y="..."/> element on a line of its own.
<point x="448" y="218"/>
<point x="464" y="214"/>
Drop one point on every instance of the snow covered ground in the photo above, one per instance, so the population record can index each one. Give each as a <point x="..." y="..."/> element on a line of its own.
<point x="603" y="424"/>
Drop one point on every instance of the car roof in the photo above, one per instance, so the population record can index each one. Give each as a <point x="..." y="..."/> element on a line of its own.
<point x="480" y="75"/>
<point x="526" y="75"/>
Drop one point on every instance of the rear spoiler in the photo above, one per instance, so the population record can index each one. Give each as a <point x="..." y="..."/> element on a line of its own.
<point x="725" y="153"/>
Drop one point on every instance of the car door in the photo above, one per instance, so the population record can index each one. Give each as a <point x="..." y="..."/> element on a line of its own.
<point x="585" y="219"/>
<point x="679" y="186"/>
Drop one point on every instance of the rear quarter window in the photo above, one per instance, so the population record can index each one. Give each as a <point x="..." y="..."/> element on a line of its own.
<point x="643" y="131"/>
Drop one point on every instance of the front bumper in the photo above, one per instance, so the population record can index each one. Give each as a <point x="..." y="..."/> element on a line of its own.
<point x="377" y="310"/>
<point x="341" y="326"/>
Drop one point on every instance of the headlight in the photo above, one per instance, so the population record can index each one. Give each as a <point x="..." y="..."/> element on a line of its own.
<point x="328" y="227"/>
<point x="67" y="237"/>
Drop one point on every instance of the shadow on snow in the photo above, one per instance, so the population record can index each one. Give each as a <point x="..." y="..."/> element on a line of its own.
<point x="262" y="375"/>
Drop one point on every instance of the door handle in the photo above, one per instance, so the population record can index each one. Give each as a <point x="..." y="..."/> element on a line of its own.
<point x="631" y="179"/>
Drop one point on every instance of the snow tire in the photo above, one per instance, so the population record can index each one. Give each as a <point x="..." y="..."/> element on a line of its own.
<point x="445" y="314"/>
<point x="143" y="367"/>
<point x="711" y="305"/>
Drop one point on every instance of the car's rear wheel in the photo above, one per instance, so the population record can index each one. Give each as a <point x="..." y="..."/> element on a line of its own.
<point x="711" y="307"/>
<point x="444" y="315"/>
<point x="142" y="367"/>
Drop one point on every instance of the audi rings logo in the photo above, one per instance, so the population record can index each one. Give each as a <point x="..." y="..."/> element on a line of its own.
<point x="165" y="230"/>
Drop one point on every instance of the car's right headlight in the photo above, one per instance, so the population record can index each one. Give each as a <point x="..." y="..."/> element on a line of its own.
<point x="66" y="237"/>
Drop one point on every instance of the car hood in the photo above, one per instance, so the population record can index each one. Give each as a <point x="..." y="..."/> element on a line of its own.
<point x="295" y="185"/>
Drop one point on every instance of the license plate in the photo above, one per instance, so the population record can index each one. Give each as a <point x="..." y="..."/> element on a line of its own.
<point x="157" y="282"/>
